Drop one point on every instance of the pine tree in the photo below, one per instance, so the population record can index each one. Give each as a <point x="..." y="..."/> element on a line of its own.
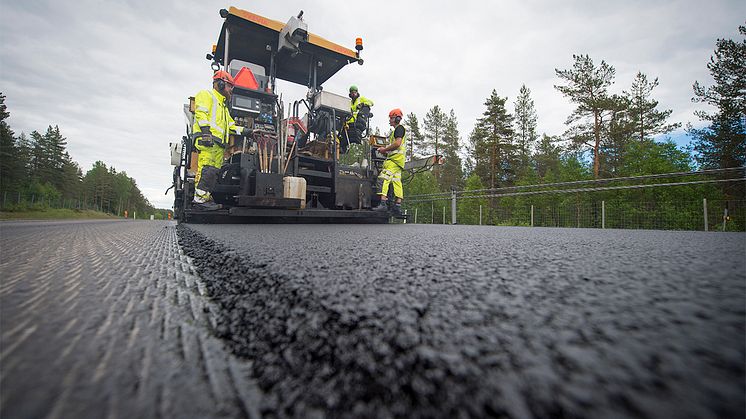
<point x="492" y="144"/>
<point x="434" y="127"/>
<point x="10" y="169"/>
<point x="618" y="130"/>
<point x="525" y="127"/>
<point x="587" y="86"/>
<point x="547" y="159"/>
<point x="723" y="143"/>
<point x="645" y="118"/>
<point x="451" y="174"/>
<point x="414" y="137"/>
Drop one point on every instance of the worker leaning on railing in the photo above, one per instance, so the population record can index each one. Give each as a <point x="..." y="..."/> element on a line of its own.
<point x="212" y="123"/>
<point x="394" y="163"/>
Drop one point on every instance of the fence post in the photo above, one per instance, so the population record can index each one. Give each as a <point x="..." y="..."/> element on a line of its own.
<point x="453" y="206"/>
<point x="19" y="198"/>
<point x="444" y="214"/>
<point x="415" y="215"/>
<point x="432" y="213"/>
<point x="704" y="210"/>
<point x="405" y="216"/>
<point x="532" y="215"/>
<point x="603" y="214"/>
<point x="480" y="214"/>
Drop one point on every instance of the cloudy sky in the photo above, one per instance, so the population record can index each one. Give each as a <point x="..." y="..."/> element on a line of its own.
<point x="113" y="75"/>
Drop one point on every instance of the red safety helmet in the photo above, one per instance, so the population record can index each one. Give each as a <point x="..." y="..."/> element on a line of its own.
<point x="223" y="75"/>
<point x="396" y="113"/>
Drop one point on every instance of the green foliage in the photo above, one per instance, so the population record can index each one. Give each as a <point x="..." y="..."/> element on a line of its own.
<point x="468" y="209"/>
<point x="525" y="130"/>
<point x="645" y="119"/>
<point x="492" y="144"/>
<point x="722" y="144"/>
<point x="451" y="173"/>
<point x="420" y="184"/>
<point x="415" y="148"/>
<point x="38" y="173"/>
<point x="587" y="87"/>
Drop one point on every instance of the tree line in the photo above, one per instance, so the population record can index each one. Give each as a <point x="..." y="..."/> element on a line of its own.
<point x="607" y="135"/>
<point x="37" y="171"/>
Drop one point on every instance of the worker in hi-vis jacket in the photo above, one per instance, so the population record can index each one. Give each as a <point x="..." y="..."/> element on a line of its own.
<point x="212" y="126"/>
<point x="394" y="163"/>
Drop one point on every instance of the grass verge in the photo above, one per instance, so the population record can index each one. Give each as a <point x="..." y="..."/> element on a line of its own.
<point x="54" y="214"/>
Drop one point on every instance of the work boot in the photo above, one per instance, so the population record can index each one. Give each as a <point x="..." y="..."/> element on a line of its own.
<point x="397" y="210"/>
<point x="381" y="207"/>
<point x="208" y="206"/>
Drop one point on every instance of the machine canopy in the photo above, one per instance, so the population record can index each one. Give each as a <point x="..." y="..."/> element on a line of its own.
<point x="252" y="38"/>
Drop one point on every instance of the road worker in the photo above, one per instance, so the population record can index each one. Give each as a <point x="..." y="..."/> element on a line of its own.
<point x="212" y="126"/>
<point x="394" y="163"/>
<point x="358" y="122"/>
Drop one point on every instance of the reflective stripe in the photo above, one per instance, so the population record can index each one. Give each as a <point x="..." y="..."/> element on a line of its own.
<point x="214" y="115"/>
<point x="386" y="174"/>
<point x="203" y="109"/>
<point x="203" y="122"/>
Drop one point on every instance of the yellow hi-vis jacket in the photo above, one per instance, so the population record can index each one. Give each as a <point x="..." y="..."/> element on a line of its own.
<point x="211" y="111"/>
<point x="360" y="100"/>
<point x="398" y="156"/>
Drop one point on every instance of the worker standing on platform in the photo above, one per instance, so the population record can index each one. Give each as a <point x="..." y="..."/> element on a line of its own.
<point x="394" y="163"/>
<point x="212" y="125"/>
<point x="358" y="122"/>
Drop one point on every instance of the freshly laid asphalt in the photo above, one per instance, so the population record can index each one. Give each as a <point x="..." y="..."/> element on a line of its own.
<point x="467" y="321"/>
<point x="122" y="319"/>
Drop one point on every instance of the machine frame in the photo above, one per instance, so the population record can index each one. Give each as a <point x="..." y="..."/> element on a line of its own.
<point x="250" y="183"/>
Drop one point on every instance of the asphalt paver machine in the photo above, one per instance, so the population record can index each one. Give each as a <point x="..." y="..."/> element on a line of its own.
<point x="288" y="169"/>
<point x="267" y="176"/>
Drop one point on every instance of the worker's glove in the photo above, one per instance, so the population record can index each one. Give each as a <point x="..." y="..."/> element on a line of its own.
<point x="205" y="141"/>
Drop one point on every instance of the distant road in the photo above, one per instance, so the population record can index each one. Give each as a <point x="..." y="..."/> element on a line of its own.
<point x="469" y="321"/>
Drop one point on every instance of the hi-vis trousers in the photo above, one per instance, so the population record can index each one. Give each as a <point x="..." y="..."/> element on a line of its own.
<point x="391" y="175"/>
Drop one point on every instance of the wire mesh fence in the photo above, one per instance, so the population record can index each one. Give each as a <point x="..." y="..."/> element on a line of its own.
<point x="657" y="205"/>
<point x="720" y="215"/>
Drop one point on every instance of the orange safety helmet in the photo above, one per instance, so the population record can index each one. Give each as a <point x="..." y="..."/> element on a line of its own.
<point x="396" y="113"/>
<point x="225" y="76"/>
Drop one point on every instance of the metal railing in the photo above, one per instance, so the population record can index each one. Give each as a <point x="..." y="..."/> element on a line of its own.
<point x="602" y="203"/>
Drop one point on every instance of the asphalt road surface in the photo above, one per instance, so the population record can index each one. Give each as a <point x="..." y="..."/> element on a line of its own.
<point x="134" y="319"/>
<point x="107" y="319"/>
<point x="468" y="321"/>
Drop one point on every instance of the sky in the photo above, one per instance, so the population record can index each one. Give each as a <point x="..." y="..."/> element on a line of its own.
<point x="114" y="75"/>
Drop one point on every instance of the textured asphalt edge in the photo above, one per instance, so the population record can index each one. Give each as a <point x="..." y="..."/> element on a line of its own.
<point x="238" y="380"/>
<point x="313" y="361"/>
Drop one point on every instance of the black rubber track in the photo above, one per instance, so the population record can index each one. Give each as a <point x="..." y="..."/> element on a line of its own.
<point x="467" y="321"/>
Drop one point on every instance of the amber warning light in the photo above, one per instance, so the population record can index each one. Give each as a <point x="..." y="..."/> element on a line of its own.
<point x="359" y="44"/>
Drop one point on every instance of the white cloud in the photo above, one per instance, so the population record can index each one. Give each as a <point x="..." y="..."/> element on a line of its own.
<point x="114" y="75"/>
